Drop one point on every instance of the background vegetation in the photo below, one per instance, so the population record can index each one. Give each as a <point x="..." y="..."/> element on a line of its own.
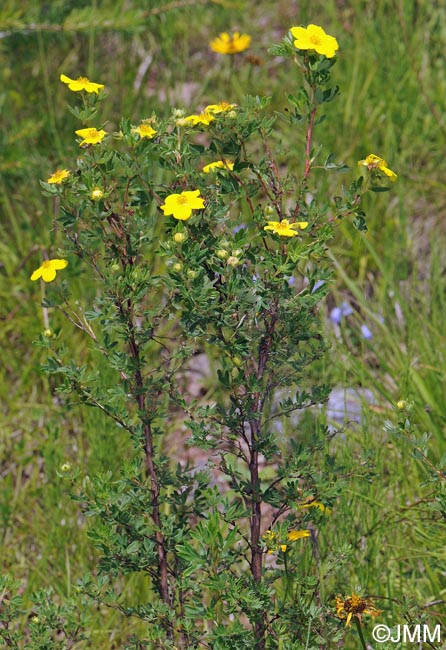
<point x="155" y="56"/>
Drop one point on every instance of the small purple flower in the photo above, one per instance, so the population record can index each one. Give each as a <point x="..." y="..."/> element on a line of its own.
<point x="337" y="313"/>
<point x="366" y="333"/>
<point x="236" y="229"/>
<point x="346" y="310"/>
<point x="291" y="280"/>
<point x="317" y="285"/>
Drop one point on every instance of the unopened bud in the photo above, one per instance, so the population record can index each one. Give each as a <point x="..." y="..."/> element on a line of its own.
<point x="178" y="113"/>
<point x="222" y="254"/>
<point x="233" y="261"/>
<point x="177" y="267"/>
<point x="179" y="237"/>
<point x="96" y="194"/>
<point x="191" y="274"/>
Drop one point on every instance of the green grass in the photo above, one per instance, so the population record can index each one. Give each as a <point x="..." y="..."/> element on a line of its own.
<point x="391" y="74"/>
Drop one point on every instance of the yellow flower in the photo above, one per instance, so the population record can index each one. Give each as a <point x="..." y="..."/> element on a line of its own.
<point x="316" y="504"/>
<point x="373" y="162"/>
<point x="47" y="271"/>
<point x="181" y="205"/>
<point x="222" y="107"/>
<point x="293" y="535"/>
<point x="226" y="44"/>
<point x="274" y="544"/>
<point x="81" y="83"/>
<point x="59" y="176"/>
<point x="205" y="117"/>
<point x="284" y="228"/>
<point x="218" y="165"/>
<point x="144" y="130"/>
<point x="313" y="37"/>
<point x="354" y="605"/>
<point x="91" y="135"/>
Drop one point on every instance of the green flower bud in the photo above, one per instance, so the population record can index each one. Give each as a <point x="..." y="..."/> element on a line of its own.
<point x="178" y="113"/>
<point x="233" y="261"/>
<point x="222" y="254"/>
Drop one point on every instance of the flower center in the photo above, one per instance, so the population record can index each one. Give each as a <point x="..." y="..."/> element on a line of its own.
<point x="355" y="604"/>
<point x="316" y="40"/>
<point x="83" y="79"/>
<point x="283" y="225"/>
<point x="46" y="264"/>
<point x="182" y="200"/>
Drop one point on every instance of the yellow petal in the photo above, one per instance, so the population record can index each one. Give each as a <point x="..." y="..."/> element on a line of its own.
<point x="293" y="535"/>
<point x="59" y="264"/>
<point x="48" y="274"/>
<point x="37" y="274"/>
